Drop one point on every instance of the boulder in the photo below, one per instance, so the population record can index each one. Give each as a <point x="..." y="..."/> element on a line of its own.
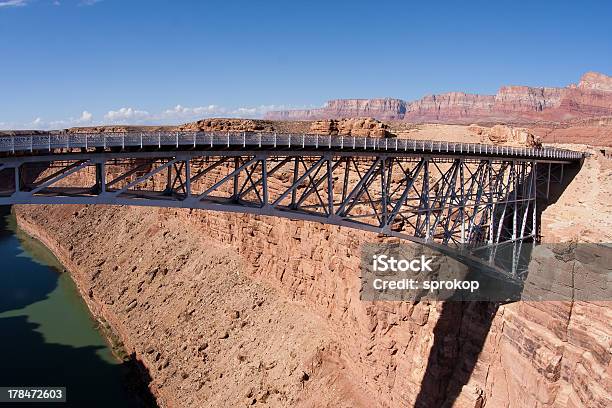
<point x="228" y="125"/>
<point x="506" y="135"/>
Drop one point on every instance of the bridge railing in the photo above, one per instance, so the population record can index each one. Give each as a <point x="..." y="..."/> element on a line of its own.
<point x="52" y="141"/>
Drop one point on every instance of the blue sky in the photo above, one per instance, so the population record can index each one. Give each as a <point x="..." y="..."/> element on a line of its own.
<point x="65" y="63"/>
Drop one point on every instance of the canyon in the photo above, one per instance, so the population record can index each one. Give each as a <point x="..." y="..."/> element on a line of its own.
<point x="245" y="310"/>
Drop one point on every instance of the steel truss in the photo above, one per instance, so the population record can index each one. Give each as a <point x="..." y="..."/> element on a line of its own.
<point x="466" y="206"/>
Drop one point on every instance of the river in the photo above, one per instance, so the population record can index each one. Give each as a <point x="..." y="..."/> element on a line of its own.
<point x="47" y="335"/>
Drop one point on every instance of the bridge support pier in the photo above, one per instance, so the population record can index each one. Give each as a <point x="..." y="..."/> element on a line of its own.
<point x="17" y="179"/>
<point x="100" y="187"/>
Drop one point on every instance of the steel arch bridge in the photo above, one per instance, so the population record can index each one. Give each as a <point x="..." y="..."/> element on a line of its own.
<point x="466" y="200"/>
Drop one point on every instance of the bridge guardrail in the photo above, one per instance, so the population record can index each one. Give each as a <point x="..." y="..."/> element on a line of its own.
<point x="51" y="141"/>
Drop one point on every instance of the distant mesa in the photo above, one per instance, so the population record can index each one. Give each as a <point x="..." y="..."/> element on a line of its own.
<point x="590" y="98"/>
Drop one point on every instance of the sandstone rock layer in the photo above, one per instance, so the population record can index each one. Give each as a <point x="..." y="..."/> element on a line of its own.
<point x="590" y="98"/>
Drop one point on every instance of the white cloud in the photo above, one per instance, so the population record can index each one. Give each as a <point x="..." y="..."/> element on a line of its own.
<point x="134" y="116"/>
<point x="256" y="111"/>
<point x="21" y="3"/>
<point x="13" y="3"/>
<point x="180" y="113"/>
<point x="36" y="124"/>
<point x="127" y="114"/>
<point x="86" y="117"/>
<point x="186" y="113"/>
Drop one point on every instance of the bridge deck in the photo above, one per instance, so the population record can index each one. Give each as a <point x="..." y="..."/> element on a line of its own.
<point x="51" y="142"/>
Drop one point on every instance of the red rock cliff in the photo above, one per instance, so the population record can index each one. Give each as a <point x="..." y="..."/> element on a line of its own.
<point x="384" y="109"/>
<point x="592" y="97"/>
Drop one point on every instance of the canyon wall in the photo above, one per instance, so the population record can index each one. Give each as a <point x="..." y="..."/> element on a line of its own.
<point x="591" y="97"/>
<point x="234" y="310"/>
<point x="382" y="109"/>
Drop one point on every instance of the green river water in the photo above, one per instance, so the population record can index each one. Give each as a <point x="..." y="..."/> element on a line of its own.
<point x="47" y="336"/>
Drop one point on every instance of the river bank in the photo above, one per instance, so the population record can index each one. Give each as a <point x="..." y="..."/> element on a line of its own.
<point x="137" y="377"/>
<point x="47" y="333"/>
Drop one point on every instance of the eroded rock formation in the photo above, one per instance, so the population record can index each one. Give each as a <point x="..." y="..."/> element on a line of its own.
<point x="592" y="97"/>
<point x="506" y="135"/>
<point x="382" y="109"/>
<point x="350" y="127"/>
<point x="228" y="125"/>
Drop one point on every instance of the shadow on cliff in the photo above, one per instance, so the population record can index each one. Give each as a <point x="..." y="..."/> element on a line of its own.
<point x="459" y="337"/>
<point x="462" y="329"/>
<point x="28" y="359"/>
